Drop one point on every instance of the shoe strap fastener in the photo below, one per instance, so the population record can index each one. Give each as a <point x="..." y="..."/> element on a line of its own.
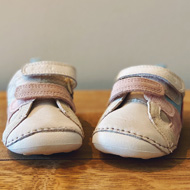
<point x="44" y="91"/>
<point x="154" y="72"/>
<point x="50" y="68"/>
<point x="127" y="85"/>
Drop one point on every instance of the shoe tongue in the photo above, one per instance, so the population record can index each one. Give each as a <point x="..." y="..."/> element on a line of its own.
<point x="34" y="59"/>
<point x="135" y="96"/>
<point x="162" y="65"/>
<point x="39" y="102"/>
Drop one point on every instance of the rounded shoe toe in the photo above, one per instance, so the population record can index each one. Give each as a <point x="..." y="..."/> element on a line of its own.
<point x="128" y="132"/>
<point x="46" y="130"/>
<point x="125" y="146"/>
<point x="47" y="143"/>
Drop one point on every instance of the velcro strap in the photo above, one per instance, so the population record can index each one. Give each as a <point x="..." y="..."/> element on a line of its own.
<point x="50" y="68"/>
<point x="44" y="91"/>
<point x="154" y="72"/>
<point x="121" y="87"/>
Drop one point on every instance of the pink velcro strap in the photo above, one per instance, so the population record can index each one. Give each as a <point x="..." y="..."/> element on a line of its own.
<point x="44" y="91"/>
<point x="121" y="87"/>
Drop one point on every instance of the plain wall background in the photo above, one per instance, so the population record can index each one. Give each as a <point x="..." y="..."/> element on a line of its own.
<point x="98" y="37"/>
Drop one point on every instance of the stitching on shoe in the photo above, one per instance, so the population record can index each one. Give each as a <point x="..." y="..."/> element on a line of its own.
<point x="122" y="131"/>
<point x="30" y="133"/>
<point x="69" y="116"/>
<point x="79" y="126"/>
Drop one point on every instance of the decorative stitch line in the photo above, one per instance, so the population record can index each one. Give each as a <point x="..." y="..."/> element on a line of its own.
<point x="13" y="141"/>
<point x="135" y="134"/>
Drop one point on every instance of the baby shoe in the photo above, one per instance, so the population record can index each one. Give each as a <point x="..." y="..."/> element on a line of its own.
<point x="144" y="115"/>
<point x="41" y="112"/>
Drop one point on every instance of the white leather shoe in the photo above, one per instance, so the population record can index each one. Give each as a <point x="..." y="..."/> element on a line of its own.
<point x="143" y="118"/>
<point x="41" y="112"/>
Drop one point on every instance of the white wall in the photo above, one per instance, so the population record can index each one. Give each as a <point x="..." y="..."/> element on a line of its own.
<point x="99" y="37"/>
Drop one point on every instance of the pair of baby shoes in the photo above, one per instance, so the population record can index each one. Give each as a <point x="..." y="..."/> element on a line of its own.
<point x="143" y="118"/>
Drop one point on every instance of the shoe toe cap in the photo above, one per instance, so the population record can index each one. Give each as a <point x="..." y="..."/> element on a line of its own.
<point x="46" y="130"/>
<point x="47" y="143"/>
<point x="125" y="146"/>
<point x="128" y="132"/>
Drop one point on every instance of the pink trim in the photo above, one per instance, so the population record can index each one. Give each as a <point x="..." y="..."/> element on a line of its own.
<point x="163" y="103"/>
<point x="15" y="105"/>
<point x="170" y="110"/>
<point x="124" y="86"/>
<point x="44" y="91"/>
<point x="176" y="122"/>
